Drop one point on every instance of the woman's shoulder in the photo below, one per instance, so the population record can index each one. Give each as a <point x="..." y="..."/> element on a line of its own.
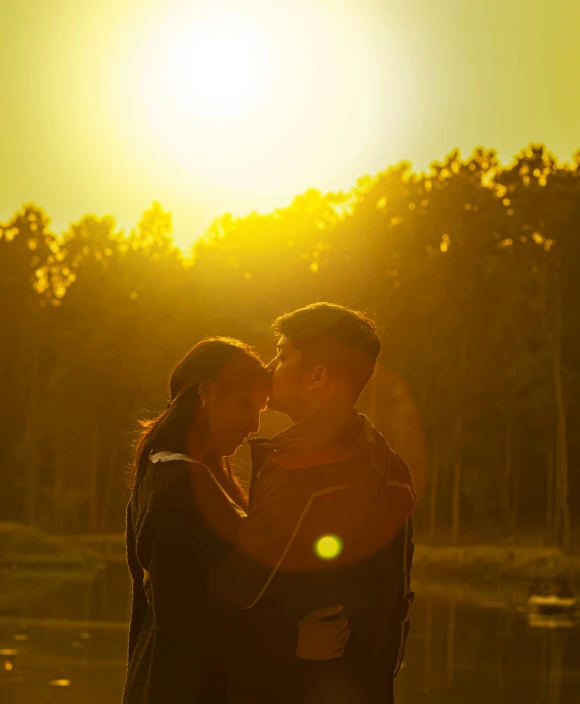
<point x="168" y="480"/>
<point x="165" y="456"/>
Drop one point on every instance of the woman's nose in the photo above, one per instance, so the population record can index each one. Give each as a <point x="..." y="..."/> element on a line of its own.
<point x="271" y="366"/>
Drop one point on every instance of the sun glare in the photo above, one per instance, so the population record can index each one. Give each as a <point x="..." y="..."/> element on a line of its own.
<point x="253" y="102"/>
<point x="328" y="547"/>
<point x="214" y="68"/>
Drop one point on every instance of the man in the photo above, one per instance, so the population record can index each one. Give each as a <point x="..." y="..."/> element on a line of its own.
<point x="329" y="519"/>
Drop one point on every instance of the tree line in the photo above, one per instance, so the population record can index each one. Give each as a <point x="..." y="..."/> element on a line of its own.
<point x="471" y="269"/>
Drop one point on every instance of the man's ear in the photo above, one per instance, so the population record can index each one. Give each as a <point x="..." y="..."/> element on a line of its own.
<point x="319" y="377"/>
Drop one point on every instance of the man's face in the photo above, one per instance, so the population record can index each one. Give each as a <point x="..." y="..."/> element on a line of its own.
<point x="289" y="380"/>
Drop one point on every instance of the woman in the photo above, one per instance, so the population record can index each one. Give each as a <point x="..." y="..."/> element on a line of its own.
<point x="183" y="517"/>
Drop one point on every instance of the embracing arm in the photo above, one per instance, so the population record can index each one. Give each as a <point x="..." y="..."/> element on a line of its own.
<point x="243" y="577"/>
<point x="185" y="613"/>
<point x="183" y="610"/>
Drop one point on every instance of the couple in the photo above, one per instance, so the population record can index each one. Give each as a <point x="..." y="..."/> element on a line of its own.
<point x="298" y="592"/>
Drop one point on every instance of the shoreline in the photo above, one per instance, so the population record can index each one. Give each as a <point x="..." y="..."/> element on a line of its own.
<point x="482" y="562"/>
<point x="496" y="563"/>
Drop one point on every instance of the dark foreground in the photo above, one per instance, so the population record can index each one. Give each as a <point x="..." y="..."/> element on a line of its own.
<point x="63" y="640"/>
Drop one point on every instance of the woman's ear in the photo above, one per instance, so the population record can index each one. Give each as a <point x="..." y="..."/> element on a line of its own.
<point x="319" y="377"/>
<point x="205" y="389"/>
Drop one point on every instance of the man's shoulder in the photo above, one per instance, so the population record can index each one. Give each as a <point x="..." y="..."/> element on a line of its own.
<point x="398" y="473"/>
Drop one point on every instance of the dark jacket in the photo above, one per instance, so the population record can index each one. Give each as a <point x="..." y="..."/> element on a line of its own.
<point x="309" y="483"/>
<point x="180" y="524"/>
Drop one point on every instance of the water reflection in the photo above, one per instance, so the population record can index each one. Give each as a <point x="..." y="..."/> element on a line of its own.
<point x="64" y="640"/>
<point x="451" y="643"/>
<point x="460" y="654"/>
<point x="71" y="634"/>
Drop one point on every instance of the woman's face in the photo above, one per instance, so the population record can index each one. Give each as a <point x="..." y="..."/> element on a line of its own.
<point x="233" y="412"/>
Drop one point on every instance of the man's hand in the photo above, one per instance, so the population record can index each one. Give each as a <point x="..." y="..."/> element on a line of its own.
<point x="319" y="639"/>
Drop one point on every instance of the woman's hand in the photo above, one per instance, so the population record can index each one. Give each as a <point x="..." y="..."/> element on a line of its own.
<point x="320" y="639"/>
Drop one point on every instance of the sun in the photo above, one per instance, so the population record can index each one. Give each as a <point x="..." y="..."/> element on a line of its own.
<point x="252" y="101"/>
<point x="214" y="67"/>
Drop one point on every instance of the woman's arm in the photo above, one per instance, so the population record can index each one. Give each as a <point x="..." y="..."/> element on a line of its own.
<point x="175" y="573"/>
<point x="179" y="567"/>
<point x="181" y="560"/>
<point x="138" y="599"/>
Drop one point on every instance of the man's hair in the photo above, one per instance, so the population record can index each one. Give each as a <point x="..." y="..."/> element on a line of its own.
<point x="341" y="338"/>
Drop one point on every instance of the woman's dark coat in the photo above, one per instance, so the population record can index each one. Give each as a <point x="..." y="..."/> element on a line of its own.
<point x="180" y="525"/>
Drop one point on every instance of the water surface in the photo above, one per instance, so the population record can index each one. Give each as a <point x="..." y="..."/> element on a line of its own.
<point x="64" y="640"/>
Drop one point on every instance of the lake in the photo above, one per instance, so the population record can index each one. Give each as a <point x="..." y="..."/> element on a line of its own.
<point x="64" y="640"/>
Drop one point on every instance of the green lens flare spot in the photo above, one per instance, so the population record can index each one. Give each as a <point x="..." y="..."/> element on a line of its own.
<point x="328" y="547"/>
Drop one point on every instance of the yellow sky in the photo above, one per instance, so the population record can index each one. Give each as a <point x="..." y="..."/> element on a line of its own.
<point x="104" y="107"/>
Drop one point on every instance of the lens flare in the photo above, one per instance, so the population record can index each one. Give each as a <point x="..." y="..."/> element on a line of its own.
<point x="328" y="547"/>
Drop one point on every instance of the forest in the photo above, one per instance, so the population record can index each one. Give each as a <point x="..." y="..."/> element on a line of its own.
<point x="471" y="270"/>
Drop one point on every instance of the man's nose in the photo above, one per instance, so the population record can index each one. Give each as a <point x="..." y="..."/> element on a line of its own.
<point x="271" y="366"/>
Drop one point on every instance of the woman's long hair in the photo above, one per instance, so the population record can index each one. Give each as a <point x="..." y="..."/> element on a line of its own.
<point x="169" y="430"/>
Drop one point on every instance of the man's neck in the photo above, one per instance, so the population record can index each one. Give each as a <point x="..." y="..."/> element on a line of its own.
<point x="334" y="418"/>
<point x="320" y="432"/>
